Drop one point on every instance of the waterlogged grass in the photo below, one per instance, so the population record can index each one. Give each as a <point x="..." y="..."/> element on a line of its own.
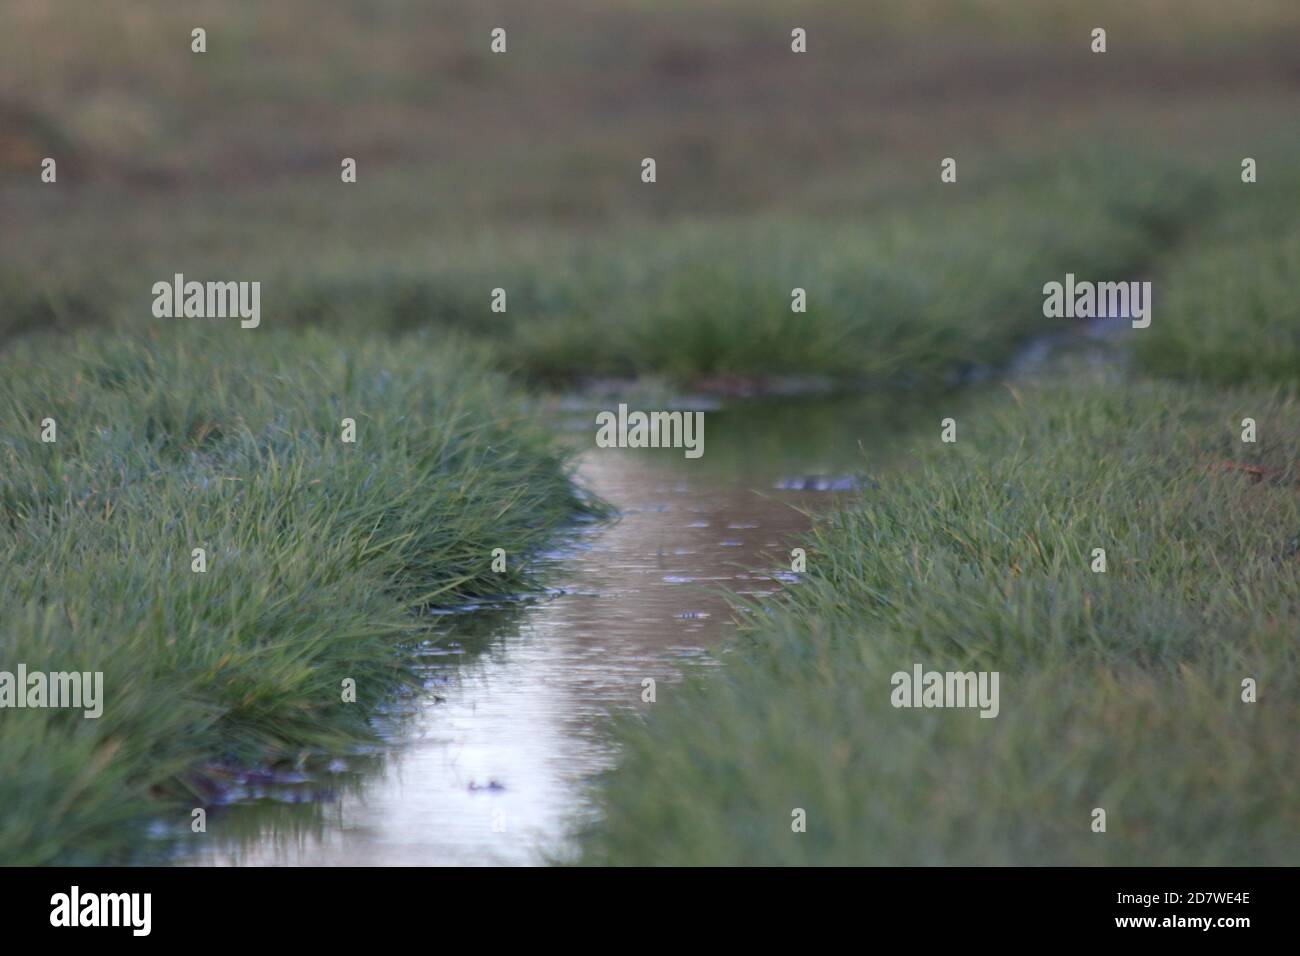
<point x="1119" y="690"/>
<point x="319" y="553"/>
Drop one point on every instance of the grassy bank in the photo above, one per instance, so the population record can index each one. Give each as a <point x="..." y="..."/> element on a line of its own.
<point x="1119" y="690"/>
<point x="319" y="553"/>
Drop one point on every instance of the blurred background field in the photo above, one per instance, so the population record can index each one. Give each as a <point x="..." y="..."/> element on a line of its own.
<point x="522" y="170"/>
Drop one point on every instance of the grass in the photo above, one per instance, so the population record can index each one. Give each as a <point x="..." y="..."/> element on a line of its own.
<point x="690" y="300"/>
<point x="520" y="171"/>
<point x="318" y="554"/>
<point x="776" y="171"/>
<point x="1119" y="690"/>
<point x="716" y="299"/>
<point x="1231" y="313"/>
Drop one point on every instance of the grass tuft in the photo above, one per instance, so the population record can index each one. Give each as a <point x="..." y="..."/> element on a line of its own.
<point x="319" y="554"/>
<point x="1119" y="690"/>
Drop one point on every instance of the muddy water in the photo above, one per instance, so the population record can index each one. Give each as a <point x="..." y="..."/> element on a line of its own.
<point x="489" y="765"/>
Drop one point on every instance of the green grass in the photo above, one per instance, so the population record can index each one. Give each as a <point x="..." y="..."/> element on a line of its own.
<point x="906" y="296"/>
<point x="909" y="292"/>
<point x="520" y="172"/>
<point x="1231" y="314"/>
<point x="1118" y="690"/>
<point x="776" y="170"/>
<point x="319" y="554"/>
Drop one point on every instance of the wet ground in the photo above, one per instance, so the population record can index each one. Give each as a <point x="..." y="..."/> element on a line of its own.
<point x="490" y="764"/>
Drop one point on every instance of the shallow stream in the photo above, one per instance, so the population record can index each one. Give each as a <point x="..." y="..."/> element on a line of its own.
<point x="491" y="766"/>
